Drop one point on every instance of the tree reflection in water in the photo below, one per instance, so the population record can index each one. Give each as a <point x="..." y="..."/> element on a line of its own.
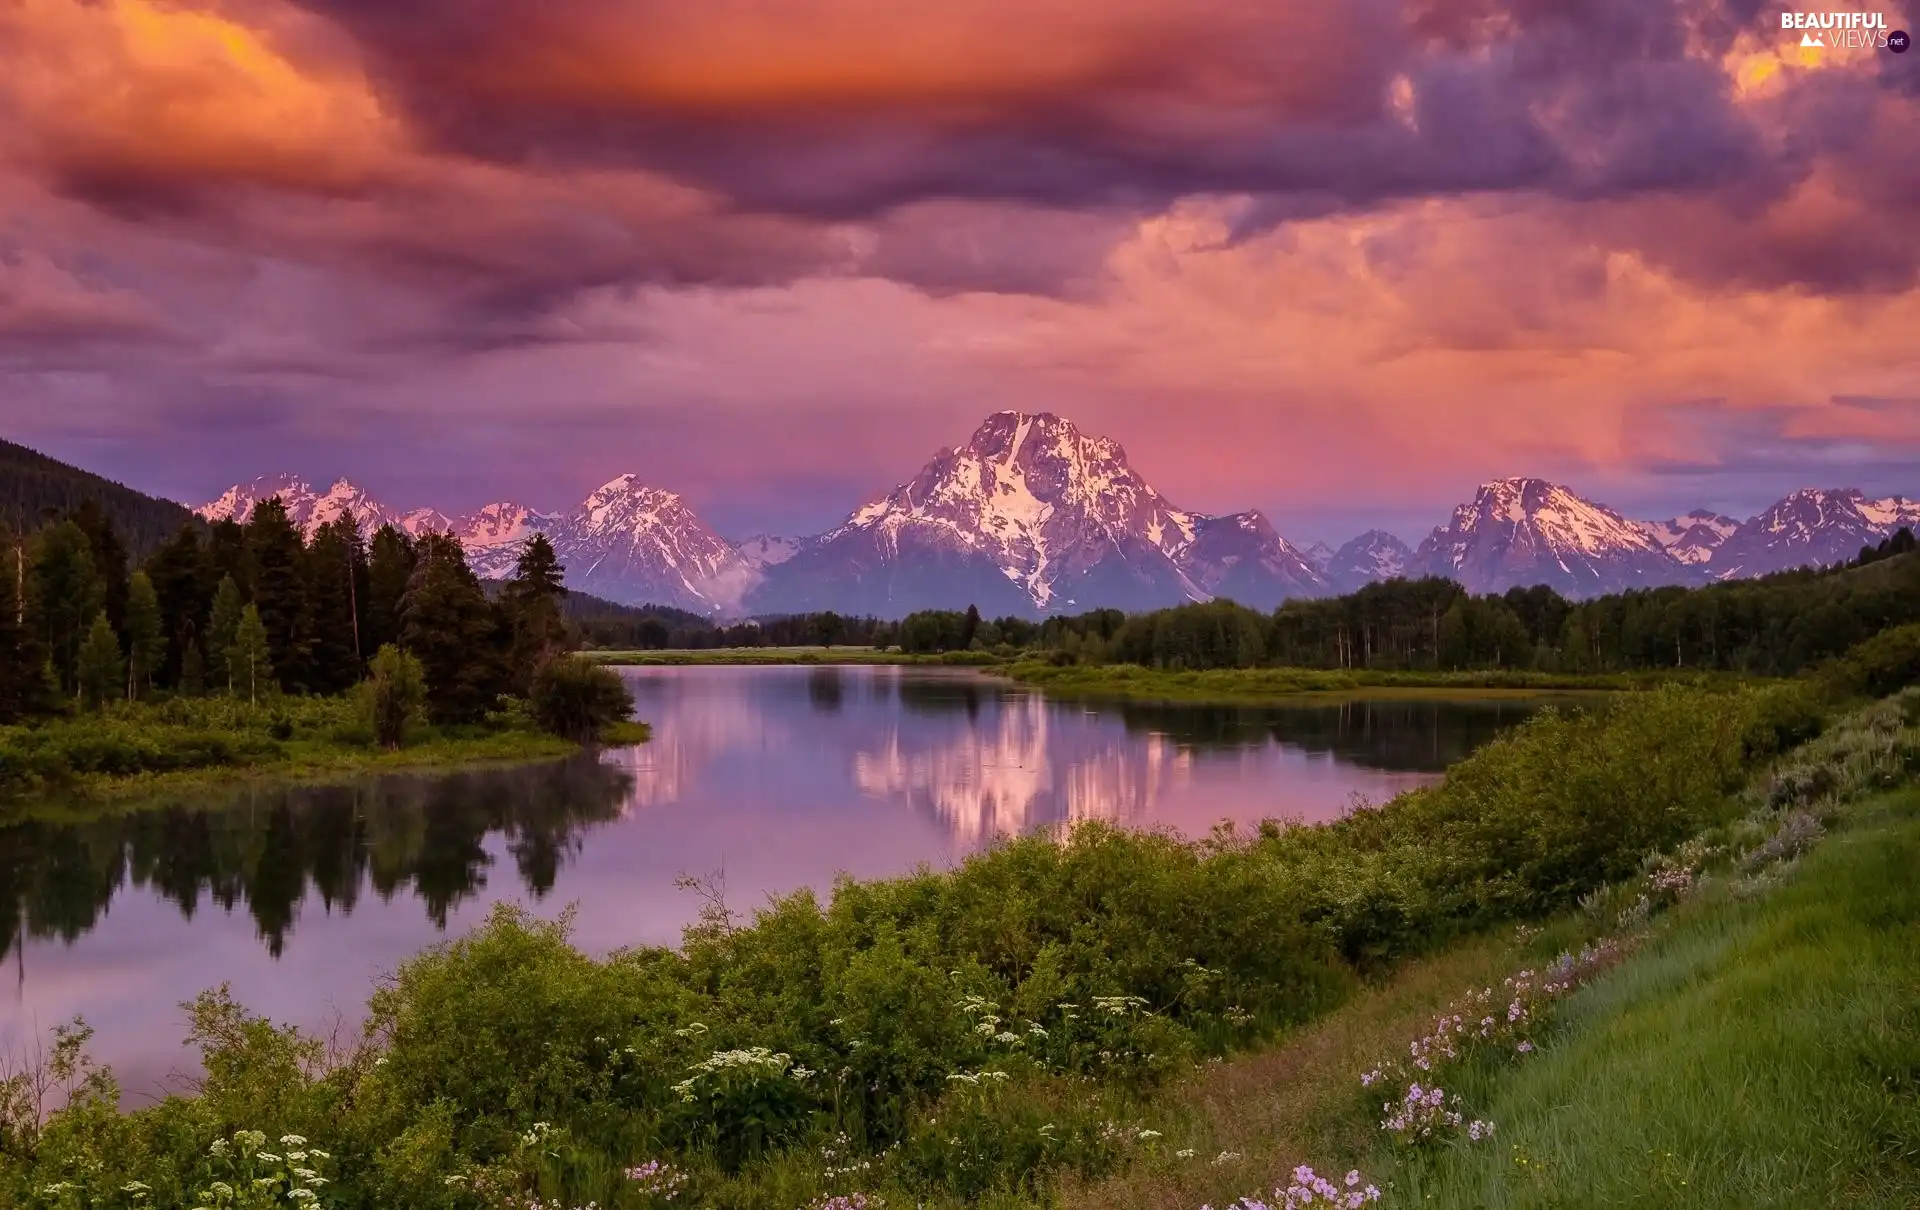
<point x="267" y="847"/>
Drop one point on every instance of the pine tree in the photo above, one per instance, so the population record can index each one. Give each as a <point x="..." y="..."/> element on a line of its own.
<point x="22" y="683"/>
<point x="336" y="577"/>
<point x="276" y="558"/>
<point x="193" y="671"/>
<point x="109" y="558"/>
<point x="455" y="632"/>
<point x="63" y="595"/>
<point x="222" y="630"/>
<point x="146" y="641"/>
<point x="100" y="671"/>
<point x="183" y="582"/>
<point x="531" y="601"/>
<point x="250" y="658"/>
<point x="390" y="563"/>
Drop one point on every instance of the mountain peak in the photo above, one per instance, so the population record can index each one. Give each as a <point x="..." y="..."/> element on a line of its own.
<point x="1533" y="531"/>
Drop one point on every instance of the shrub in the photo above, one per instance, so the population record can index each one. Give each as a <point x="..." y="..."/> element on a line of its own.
<point x="394" y="696"/>
<point x="574" y="698"/>
<point x="1884" y="664"/>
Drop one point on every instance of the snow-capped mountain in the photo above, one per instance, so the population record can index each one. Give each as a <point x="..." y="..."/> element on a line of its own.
<point x="1241" y="557"/>
<point x="626" y="542"/>
<point x="1319" y="554"/>
<point x="765" y="550"/>
<point x="1032" y="515"/>
<point x="635" y="544"/>
<point x="494" y="535"/>
<point x="1812" y="527"/>
<point x="1692" y="538"/>
<point x="309" y="509"/>
<point x="1374" y="555"/>
<point x="1530" y="531"/>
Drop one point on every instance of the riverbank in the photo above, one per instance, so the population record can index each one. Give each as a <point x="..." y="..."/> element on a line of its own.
<point x="1746" y="1040"/>
<point x="973" y="1037"/>
<point x="133" y="750"/>
<point x="1258" y="686"/>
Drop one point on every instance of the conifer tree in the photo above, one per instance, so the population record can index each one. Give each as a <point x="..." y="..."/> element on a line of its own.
<point x="276" y="559"/>
<point x="109" y="558"/>
<point x="250" y="658"/>
<point x="227" y="550"/>
<point x="22" y="682"/>
<point x="146" y="642"/>
<point x="455" y="632"/>
<point x="193" y="671"/>
<point x="63" y="595"/>
<point x="183" y="582"/>
<point x="336" y="576"/>
<point x="100" y="670"/>
<point x="222" y="630"/>
<point x="390" y="563"/>
<point x="531" y="601"/>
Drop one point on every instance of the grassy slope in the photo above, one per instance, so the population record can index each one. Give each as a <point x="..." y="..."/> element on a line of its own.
<point x="1761" y="1054"/>
<point x="1758" y="1054"/>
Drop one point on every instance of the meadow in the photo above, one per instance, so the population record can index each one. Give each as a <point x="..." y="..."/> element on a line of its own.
<point x="1040" y="1026"/>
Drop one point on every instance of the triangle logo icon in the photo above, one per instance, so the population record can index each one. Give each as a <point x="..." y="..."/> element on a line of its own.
<point x="1812" y="39"/>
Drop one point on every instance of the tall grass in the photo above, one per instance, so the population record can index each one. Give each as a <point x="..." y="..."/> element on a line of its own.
<point x="1764" y="1053"/>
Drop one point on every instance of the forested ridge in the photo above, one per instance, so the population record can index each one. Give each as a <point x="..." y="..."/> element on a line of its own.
<point x="36" y="489"/>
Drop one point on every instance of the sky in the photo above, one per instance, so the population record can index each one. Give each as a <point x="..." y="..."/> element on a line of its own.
<point x="1338" y="261"/>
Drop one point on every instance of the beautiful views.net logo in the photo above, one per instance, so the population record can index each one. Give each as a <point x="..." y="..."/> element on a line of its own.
<point x="1863" y="31"/>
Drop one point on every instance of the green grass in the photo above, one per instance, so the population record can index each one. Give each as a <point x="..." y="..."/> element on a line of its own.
<point x="135" y="749"/>
<point x="783" y="655"/>
<point x="1759" y="1054"/>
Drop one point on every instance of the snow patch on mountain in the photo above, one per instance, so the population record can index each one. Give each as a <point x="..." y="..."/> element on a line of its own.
<point x="1524" y="531"/>
<point x="1373" y="556"/>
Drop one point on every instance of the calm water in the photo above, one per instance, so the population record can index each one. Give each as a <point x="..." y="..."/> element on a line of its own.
<point x="779" y="777"/>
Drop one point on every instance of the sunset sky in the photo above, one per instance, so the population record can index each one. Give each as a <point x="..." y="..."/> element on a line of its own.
<point x="1341" y="260"/>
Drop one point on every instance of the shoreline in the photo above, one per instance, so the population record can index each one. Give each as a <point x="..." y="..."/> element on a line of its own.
<point x="316" y="767"/>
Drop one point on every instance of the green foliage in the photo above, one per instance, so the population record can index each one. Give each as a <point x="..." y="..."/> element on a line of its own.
<point x="531" y="602"/>
<point x="276" y="586"/>
<point x="1882" y="665"/>
<point x="448" y="623"/>
<point x="146" y="643"/>
<point x="23" y="689"/>
<point x="100" y="672"/>
<point x="393" y="698"/>
<point x="64" y="594"/>
<point x="250" y="657"/>
<point x="576" y="699"/>
<point x="335" y="580"/>
<point x="222" y="634"/>
<point x="1763" y="1053"/>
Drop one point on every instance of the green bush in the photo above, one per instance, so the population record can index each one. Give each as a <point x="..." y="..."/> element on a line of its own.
<point x="1882" y="665"/>
<point x="393" y="698"/>
<point x="574" y="698"/>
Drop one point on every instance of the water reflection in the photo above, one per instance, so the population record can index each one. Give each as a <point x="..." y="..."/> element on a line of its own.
<point x="783" y="777"/>
<point x="265" y="849"/>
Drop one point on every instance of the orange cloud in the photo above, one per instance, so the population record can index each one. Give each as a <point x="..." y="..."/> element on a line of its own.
<point x="134" y="91"/>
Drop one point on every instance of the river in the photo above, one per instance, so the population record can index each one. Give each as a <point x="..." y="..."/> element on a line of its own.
<point x="770" y="778"/>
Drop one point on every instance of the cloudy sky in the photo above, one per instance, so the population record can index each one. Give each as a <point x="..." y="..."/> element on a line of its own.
<point x="1338" y="260"/>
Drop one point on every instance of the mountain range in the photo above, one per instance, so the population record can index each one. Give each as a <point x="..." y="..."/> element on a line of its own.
<point x="1033" y="516"/>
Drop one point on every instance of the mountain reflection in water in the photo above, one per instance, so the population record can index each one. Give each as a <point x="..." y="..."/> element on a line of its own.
<point x="781" y="777"/>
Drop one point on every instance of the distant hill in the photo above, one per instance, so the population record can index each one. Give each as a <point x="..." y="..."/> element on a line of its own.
<point x="35" y="488"/>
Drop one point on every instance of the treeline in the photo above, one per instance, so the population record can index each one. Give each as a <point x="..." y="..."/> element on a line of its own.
<point x="657" y="628"/>
<point x="257" y="610"/>
<point x="1778" y="625"/>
